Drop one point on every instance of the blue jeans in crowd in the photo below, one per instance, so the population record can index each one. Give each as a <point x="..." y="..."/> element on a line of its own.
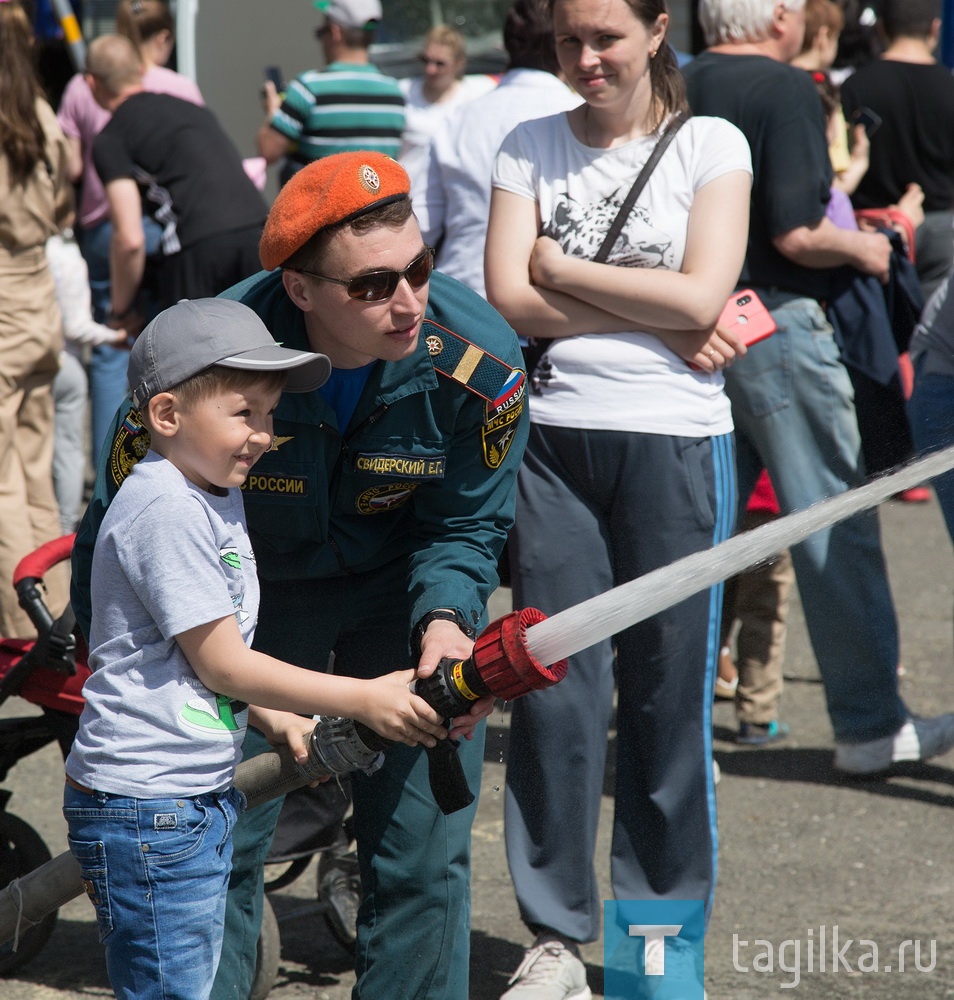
<point x="794" y="414"/>
<point x="156" y="871"/>
<point x="931" y="408"/>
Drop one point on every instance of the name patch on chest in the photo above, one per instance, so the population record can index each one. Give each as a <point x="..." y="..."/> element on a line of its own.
<point x="272" y="485"/>
<point x="408" y="466"/>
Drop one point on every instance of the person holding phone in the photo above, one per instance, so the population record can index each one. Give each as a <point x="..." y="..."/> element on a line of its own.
<point x="614" y="397"/>
<point x="347" y="106"/>
<point x="792" y="399"/>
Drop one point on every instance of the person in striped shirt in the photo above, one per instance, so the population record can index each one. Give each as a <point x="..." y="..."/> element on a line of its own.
<point x="348" y="105"/>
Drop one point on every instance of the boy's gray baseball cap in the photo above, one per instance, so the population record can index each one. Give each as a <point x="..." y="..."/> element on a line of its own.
<point x="195" y="334"/>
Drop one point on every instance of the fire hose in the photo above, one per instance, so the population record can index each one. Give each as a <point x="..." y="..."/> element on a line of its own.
<point x="501" y="665"/>
<point x="509" y="661"/>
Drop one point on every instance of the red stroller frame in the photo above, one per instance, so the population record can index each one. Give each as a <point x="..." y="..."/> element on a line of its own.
<point x="45" y="672"/>
<point x="49" y="672"/>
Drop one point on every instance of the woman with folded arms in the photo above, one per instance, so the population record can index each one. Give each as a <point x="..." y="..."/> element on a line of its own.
<point x="630" y="466"/>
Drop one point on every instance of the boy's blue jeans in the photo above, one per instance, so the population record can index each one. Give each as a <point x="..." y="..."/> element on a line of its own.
<point x="156" y="870"/>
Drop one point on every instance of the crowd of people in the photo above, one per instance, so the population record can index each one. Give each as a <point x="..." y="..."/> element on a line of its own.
<point x="498" y="302"/>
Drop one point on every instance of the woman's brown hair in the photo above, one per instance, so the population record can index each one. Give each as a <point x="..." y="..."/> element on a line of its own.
<point x="21" y="136"/>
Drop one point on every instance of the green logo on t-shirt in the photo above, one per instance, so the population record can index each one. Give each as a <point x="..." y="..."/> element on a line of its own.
<point x="201" y="718"/>
<point x="231" y="557"/>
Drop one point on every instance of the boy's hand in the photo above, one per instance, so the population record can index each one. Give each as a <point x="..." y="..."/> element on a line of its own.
<point x="285" y="729"/>
<point x="393" y="712"/>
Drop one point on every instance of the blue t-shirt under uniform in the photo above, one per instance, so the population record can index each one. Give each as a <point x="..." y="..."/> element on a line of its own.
<point x="343" y="390"/>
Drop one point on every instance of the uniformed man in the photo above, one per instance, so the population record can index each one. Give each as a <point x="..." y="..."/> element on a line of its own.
<point x="376" y="520"/>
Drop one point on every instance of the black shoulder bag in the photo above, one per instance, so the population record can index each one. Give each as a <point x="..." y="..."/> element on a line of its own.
<point x="534" y="351"/>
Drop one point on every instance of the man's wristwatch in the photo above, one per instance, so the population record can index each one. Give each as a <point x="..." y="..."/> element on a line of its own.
<point x="440" y="614"/>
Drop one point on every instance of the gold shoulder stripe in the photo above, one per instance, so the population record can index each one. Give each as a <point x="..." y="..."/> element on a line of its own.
<point x="479" y="371"/>
<point x="467" y="364"/>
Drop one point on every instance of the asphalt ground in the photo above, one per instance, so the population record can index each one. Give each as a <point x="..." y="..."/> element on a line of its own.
<point x="801" y="850"/>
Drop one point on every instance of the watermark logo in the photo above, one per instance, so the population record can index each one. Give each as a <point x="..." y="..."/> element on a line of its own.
<point x="651" y="946"/>
<point x="825" y="949"/>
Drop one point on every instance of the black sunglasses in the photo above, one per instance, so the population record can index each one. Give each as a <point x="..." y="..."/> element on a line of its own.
<point x="376" y="286"/>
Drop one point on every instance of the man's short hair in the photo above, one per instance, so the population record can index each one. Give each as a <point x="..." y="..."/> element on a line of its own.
<point x="528" y="37"/>
<point x="739" y="20"/>
<point x="909" y="18"/>
<point x="356" y="38"/>
<point x="218" y="379"/>
<point x="115" y="62"/>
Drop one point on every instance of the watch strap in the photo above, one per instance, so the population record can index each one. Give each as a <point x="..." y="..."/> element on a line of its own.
<point x="440" y="614"/>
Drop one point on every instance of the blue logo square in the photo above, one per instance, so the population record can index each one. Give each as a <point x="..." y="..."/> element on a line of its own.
<point x="653" y="948"/>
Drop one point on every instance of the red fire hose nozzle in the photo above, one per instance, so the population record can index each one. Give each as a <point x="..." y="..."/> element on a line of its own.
<point x="504" y="662"/>
<point x="501" y="665"/>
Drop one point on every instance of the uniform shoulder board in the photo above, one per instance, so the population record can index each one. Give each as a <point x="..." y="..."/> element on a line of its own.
<point x="455" y="357"/>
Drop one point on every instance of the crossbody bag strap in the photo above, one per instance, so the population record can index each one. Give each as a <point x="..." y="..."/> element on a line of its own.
<point x="539" y="345"/>
<point x="609" y="241"/>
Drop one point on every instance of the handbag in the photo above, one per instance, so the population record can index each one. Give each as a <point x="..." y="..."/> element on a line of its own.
<point x="537" y="346"/>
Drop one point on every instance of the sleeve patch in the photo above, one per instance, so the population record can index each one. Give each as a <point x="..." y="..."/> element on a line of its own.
<point x="483" y="374"/>
<point x="498" y="434"/>
<point x="130" y="444"/>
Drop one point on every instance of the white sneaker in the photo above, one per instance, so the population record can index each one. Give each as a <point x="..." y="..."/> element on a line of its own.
<point x="917" y="739"/>
<point x="549" y="971"/>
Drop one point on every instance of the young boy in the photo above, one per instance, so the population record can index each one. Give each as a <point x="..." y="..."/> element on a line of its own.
<point x="149" y="799"/>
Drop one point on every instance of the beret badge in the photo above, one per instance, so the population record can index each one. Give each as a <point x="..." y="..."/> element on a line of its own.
<point x="368" y="178"/>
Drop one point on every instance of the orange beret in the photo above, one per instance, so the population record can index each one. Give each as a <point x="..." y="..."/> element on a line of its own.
<point x="333" y="189"/>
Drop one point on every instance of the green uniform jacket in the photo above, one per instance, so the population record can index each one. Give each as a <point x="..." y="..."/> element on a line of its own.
<point x="424" y="476"/>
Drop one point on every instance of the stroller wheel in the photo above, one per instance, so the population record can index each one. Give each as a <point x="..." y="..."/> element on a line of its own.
<point x="21" y="850"/>
<point x="267" y="955"/>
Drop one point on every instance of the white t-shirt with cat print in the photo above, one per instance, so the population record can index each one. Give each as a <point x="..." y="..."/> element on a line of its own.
<point x="625" y="381"/>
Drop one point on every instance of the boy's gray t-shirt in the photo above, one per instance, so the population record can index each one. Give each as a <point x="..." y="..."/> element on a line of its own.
<point x="169" y="557"/>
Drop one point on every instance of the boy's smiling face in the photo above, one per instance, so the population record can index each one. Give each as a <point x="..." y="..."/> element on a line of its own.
<point x="218" y="438"/>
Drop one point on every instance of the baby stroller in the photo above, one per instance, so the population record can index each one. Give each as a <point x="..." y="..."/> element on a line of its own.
<point x="49" y="672"/>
